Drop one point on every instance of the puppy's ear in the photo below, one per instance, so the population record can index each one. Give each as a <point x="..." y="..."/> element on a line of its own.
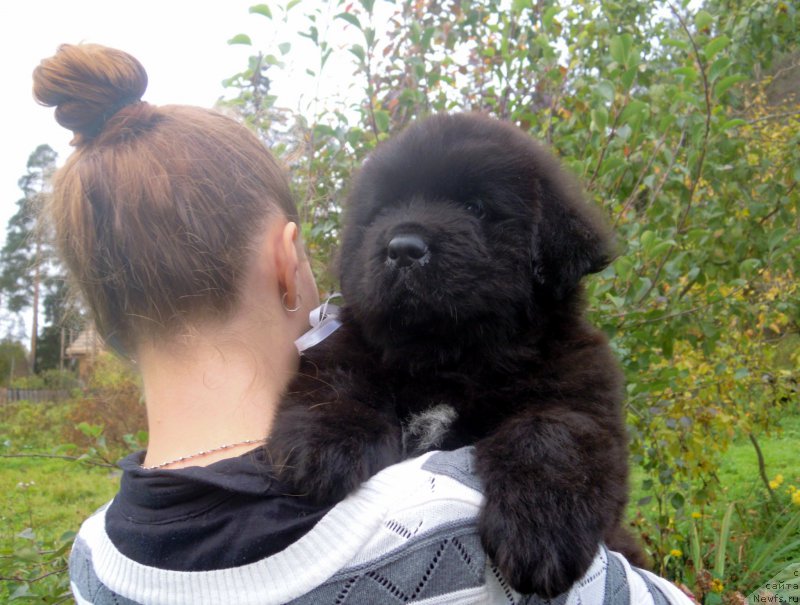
<point x="571" y="239"/>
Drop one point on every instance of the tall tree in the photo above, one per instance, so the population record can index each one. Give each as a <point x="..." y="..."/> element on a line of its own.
<point x="27" y="265"/>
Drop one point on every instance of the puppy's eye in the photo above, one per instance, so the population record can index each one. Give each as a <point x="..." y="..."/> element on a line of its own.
<point x="475" y="207"/>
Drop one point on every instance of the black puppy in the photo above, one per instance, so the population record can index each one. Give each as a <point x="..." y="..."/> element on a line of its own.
<point x="463" y="248"/>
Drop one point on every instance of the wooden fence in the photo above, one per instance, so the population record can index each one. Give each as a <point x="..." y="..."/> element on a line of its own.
<point x="35" y="395"/>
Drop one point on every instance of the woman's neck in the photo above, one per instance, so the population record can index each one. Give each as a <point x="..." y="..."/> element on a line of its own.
<point x="208" y="394"/>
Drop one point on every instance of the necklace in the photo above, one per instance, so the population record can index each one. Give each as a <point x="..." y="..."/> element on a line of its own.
<point x="203" y="453"/>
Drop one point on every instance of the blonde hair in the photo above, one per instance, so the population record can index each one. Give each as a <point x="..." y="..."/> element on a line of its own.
<point x="156" y="210"/>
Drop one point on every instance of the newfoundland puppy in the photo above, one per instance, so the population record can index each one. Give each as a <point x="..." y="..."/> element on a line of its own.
<point x="463" y="248"/>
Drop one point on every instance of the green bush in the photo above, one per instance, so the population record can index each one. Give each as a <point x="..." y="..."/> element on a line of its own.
<point x="26" y="425"/>
<point x="109" y="410"/>
<point x="672" y="116"/>
<point x="101" y="423"/>
<point x="56" y="380"/>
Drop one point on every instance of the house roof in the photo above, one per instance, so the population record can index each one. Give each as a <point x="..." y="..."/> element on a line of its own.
<point x="88" y="342"/>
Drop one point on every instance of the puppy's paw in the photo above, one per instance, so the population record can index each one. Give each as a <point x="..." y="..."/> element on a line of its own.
<point x="533" y="556"/>
<point x="325" y="460"/>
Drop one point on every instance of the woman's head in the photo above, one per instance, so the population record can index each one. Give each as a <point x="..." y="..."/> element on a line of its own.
<point x="157" y="211"/>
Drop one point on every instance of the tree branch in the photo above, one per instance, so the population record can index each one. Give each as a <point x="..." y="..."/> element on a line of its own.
<point x="42" y="577"/>
<point x="762" y="468"/>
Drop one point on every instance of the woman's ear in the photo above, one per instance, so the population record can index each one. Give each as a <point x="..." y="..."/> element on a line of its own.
<point x="288" y="266"/>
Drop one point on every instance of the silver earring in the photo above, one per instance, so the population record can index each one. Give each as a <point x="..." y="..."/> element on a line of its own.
<point x="283" y="302"/>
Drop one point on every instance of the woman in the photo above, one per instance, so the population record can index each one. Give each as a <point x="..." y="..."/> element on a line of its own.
<point x="178" y="227"/>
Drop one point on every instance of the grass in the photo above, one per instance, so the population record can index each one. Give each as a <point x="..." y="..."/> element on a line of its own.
<point x="739" y="470"/>
<point x="742" y="531"/>
<point x="49" y="496"/>
<point x="738" y="473"/>
<point x="44" y="497"/>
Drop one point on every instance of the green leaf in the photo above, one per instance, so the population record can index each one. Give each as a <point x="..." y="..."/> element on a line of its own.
<point x="426" y="38"/>
<point x="369" y="36"/>
<point x="359" y="52"/>
<point x="724" y="534"/>
<point x="647" y="239"/>
<point x="27" y="553"/>
<point x="382" y="120"/>
<point x="22" y="591"/>
<point x="690" y="73"/>
<point x="719" y="67"/>
<point x="620" y="48"/>
<point x="634" y="112"/>
<point x="517" y="6"/>
<point x="660" y="248"/>
<point x="605" y="89"/>
<point x="549" y="15"/>
<point x="323" y="131"/>
<point x="628" y="77"/>
<point x="721" y="87"/>
<point x="748" y="267"/>
<point x="312" y="34"/>
<point x="617" y="301"/>
<point x="285" y="47"/>
<point x="623" y="267"/>
<point x="599" y="118"/>
<point x="350" y="18"/>
<point x="261" y="9"/>
<point x="733" y="123"/>
<point x="241" y="39"/>
<point x="681" y="44"/>
<point x="697" y="558"/>
<point x="716" y="45"/>
<point x="703" y="19"/>
<point x="272" y="60"/>
<point x="644" y="285"/>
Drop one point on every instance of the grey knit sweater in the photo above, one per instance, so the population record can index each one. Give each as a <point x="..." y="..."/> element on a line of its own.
<point x="408" y="534"/>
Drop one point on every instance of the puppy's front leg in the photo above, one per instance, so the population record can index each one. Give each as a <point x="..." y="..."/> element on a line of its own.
<point x="553" y="481"/>
<point x="324" y="443"/>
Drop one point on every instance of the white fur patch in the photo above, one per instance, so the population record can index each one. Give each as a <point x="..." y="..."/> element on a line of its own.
<point x="425" y="430"/>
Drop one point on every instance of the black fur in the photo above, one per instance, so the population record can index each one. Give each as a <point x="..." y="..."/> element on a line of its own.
<point x="463" y="248"/>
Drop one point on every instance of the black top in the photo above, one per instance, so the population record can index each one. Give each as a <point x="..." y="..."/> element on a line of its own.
<point x="229" y="513"/>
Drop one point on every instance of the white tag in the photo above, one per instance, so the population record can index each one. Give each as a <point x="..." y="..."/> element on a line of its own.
<point x="324" y="321"/>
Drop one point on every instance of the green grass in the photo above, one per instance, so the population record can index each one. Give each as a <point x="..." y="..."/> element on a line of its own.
<point x="738" y="472"/>
<point x="755" y="539"/>
<point x="43" y="497"/>
<point x="49" y="496"/>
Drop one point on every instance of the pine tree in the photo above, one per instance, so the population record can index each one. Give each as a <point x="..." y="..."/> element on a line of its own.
<point x="28" y="270"/>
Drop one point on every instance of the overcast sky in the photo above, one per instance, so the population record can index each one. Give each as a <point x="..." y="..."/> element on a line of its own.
<point x="181" y="43"/>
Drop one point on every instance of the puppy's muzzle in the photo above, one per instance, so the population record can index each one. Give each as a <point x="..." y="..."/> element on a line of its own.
<point x="405" y="250"/>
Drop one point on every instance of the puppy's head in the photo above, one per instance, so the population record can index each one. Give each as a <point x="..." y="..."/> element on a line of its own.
<point x="462" y="230"/>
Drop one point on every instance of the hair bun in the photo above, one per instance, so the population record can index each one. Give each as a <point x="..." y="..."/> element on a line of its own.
<point x="87" y="84"/>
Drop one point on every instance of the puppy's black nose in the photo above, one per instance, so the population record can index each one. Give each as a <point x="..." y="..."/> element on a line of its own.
<point x="405" y="250"/>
